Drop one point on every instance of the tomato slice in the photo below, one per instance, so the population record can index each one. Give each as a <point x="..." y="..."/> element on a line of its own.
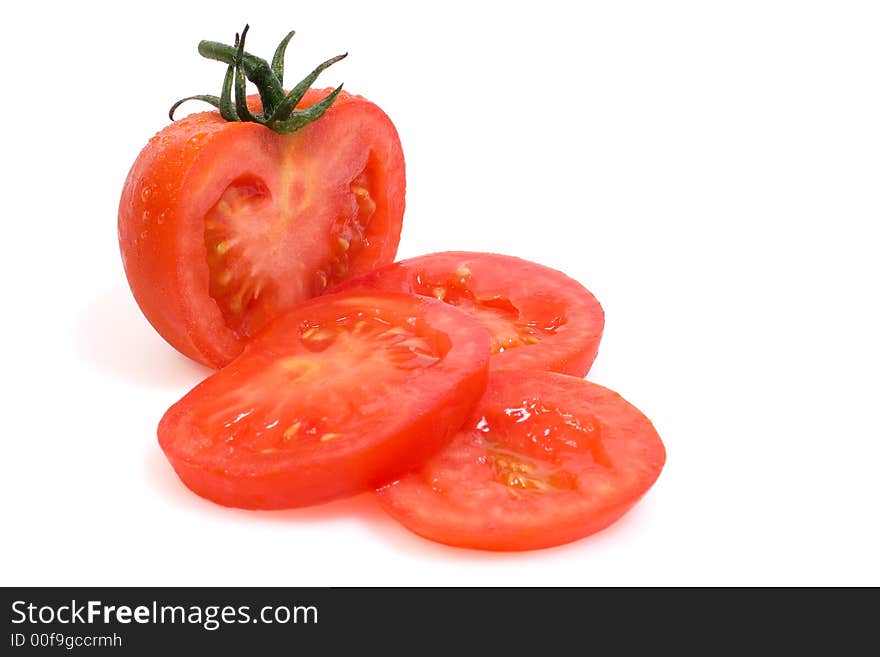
<point x="337" y="396"/>
<point x="545" y="459"/>
<point x="538" y="317"/>
<point x="225" y="225"/>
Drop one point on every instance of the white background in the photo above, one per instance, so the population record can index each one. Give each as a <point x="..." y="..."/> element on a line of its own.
<point x="711" y="171"/>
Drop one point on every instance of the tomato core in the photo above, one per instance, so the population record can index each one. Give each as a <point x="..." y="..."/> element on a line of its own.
<point x="538" y="318"/>
<point x="532" y="448"/>
<point x="253" y="238"/>
<point x="334" y="356"/>
<point x="498" y="313"/>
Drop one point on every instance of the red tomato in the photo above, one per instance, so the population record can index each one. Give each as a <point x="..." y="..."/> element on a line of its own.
<point x="545" y="459"/>
<point x="337" y="396"/>
<point x="538" y="318"/>
<point x="224" y="225"/>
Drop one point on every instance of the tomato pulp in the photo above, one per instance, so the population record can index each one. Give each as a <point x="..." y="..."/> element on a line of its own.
<point x="538" y="317"/>
<point x="224" y="225"/>
<point x="544" y="459"/>
<point x="335" y="397"/>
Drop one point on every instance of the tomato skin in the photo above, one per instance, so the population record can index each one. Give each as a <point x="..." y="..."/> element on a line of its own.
<point x="182" y="172"/>
<point x="457" y="498"/>
<point x="504" y="285"/>
<point x="384" y="420"/>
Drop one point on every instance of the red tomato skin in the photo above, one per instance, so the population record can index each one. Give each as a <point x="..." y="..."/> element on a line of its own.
<point x="161" y="236"/>
<point x="422" y="509"/>
<point x="251" y="484"/>
<point x="512" y="277"/>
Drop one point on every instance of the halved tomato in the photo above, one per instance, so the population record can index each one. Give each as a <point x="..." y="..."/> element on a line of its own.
<point x="338" y="396"/>
<point x="538" y="317"/>
<point x="224" y="225"/>
<point x="544" y="459"/>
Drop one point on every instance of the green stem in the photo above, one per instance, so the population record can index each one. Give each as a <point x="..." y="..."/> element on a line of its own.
<point x="278" y="57"/>
<point x="283" y="110"/>
<point x="279" y="109"/>
<point x="256" y="69"/>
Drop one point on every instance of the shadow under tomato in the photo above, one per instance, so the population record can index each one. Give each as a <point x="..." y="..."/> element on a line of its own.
<point x="113" y="336"/>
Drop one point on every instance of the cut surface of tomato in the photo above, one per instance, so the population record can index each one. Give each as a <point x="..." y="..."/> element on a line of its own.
<point x="335" y="397"/>
<point x="538" y="318"/>
<point x="544" y="459"/>
<point x="225" y="225"/>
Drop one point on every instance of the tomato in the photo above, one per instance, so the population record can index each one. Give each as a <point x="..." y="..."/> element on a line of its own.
<point x="538" y="317"/>
<point x="335" y="397"/>
<point x="224" y="224"/>
<point x="544" y="459"/>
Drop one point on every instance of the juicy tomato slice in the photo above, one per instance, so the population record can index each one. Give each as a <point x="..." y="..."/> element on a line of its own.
<point x="223" y="226"/>
<point x="545" y="459"/>
<point x="335" y="397"/>
<point x="538" y="317"/>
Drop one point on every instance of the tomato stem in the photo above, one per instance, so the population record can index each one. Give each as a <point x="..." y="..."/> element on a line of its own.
<point x="241" y="108"/>
<point x="227" y="107"/>
<point x="278" y="57"/>
<point x="284" y="109"/>
<point x="279" y="108"/>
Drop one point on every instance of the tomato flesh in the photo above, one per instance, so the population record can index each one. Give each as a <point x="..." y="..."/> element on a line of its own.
<point x="538" y="318"/>
<point x="249" y="242"/>
<point x="335" y="397"/>
<point x="545" y="459"/>
<point x="223" y="226"/>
